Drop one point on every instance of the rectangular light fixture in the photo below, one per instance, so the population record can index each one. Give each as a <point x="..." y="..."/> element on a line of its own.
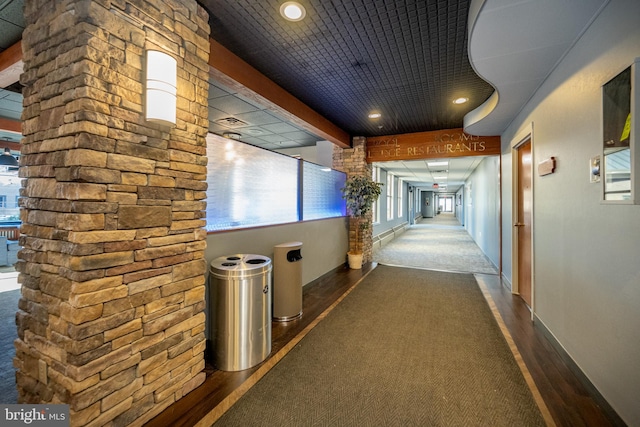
<point x="161" y="88"/>
<point x="432" y="164"/>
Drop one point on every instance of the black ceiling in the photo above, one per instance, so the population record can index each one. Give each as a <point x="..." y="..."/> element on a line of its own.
<point x="404" y="58"/>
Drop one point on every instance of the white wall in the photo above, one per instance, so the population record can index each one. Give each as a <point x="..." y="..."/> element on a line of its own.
<point x="481" y="207"/>
<point x="324" y="243"/>
<point x="586" y="271"/>
<point x="324" y="247"/>
<point x="460" y="207"/>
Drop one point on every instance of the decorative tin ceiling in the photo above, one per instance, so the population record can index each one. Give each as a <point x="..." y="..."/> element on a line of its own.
<point x="406" y="59"/>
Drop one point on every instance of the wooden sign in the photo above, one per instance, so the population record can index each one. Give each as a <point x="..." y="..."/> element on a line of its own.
<point x="430" y="145"/>
<point x="547" y="166"/>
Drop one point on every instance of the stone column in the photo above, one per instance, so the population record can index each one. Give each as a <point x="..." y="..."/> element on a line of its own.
<point x="353" y="161"/>
<point x="112" y="268"/>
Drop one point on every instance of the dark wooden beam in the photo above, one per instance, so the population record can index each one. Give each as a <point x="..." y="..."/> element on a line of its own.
<point x="11" y="55"/>
<point x="236" y="74"/>
<point x="244" y="79"/>
<point x="8" y="58"/>
<point x="11" y="125"/>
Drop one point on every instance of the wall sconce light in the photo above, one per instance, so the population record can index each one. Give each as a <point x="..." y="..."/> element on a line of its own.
<point x="161" y="90"/>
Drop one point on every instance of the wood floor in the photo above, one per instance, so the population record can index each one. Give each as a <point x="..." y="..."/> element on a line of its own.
<point x="568" y="400"/>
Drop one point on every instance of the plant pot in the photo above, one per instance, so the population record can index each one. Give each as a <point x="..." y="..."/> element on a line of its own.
<point x="355" y="260"/>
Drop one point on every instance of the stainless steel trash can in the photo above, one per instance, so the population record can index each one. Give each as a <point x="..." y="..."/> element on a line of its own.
<point x="287" y="281"/>
<point x="240" y="287"/>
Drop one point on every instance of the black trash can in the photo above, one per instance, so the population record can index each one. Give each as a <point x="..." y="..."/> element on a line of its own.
<point x="287" y="281"/>
<point x="240" y="318"/>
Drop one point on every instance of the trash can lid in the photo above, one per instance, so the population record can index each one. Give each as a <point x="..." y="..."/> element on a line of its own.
<point x="288" y="245"/>
<point x="240" y="265"/>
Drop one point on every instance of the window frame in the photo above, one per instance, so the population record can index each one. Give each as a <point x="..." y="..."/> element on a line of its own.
<point x="375" y="207"/>
<point x="390" y="196"/>
<point x="400" y="197"/>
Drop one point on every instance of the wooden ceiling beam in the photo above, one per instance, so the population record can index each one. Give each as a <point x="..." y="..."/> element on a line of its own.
<point x="233" y="72"/>
<point x="11" y="125"/>
<point x="11" y="56"/>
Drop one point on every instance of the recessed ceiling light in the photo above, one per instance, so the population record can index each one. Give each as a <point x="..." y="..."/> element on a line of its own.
<point x="438" y="178"/>
<point x="375" y="115"/>
<point x="292" y="11"/>
<point x="461" y="100"/>
<point x="432" y="164"/>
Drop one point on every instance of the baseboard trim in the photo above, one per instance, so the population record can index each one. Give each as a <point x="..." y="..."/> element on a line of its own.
<point x="575" y="369"/>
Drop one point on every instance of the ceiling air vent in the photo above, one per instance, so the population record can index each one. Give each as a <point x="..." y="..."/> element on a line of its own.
<point x="231" y="122"/>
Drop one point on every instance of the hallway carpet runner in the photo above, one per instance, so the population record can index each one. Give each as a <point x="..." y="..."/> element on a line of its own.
<point x="439" y="243"/>
<point x="407" y="347"/>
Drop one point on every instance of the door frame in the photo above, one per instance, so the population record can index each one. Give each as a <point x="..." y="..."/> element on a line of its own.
<point x="517" y="141"/>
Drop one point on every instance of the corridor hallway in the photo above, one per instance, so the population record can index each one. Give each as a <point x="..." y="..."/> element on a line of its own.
<point x="438" y="243"/>
<point x="568" y="400"/>
<point x="441" y="243"/>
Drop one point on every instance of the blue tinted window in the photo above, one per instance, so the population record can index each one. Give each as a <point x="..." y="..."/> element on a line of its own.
<point x="321" y="196"/>
<point x="250" y="187"/>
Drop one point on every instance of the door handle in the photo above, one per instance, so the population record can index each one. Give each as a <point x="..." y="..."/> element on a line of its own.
<point x="519" y="224"/>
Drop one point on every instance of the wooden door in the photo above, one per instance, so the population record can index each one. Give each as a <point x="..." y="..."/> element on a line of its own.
<point x="523" y="223"/>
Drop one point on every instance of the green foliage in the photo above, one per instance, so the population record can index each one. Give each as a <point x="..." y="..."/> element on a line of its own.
<point x="360" y="192"/>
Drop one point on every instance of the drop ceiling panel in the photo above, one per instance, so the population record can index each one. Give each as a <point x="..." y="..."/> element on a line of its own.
<point x="10" y="104"/>
<point x="258" y="118"/>
<point x="231" y="112"/>
<point x="216" y="92"/>
<point x="280" y="128"/>
<point x="232" y="104"/>
<point x="11" y="22"/>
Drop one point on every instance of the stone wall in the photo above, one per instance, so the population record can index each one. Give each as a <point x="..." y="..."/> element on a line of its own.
<point x="353" y="161"/>
<point x="112" y="268"/>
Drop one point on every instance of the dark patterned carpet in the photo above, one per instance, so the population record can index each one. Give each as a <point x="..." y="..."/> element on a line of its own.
<point x="407" y="347"/>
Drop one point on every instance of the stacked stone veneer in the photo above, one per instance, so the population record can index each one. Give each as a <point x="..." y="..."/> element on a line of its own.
<point x="112" y="268"/>
<point x="353" y="161"/>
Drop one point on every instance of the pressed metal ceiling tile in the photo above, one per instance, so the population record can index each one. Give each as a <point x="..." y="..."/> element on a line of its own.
<point x="407" y="59"/>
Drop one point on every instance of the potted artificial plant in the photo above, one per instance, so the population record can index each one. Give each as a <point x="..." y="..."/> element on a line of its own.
<point x="359" y="192"/>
